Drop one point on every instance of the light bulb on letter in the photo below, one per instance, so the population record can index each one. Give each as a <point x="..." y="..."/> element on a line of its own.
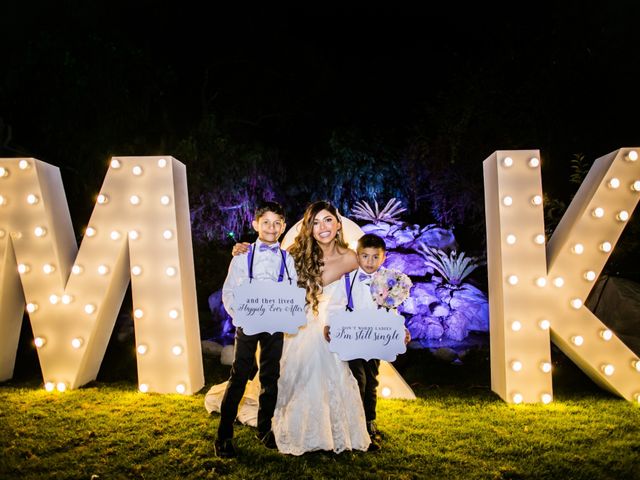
<point x="578" y="249"/>
<point x="622" y="216"/>
<point x="608" y="369"/>
<point x="544" y="324"/>
<point x="606" y="334"/>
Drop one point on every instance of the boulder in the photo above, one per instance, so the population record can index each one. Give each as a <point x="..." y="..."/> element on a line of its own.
<point x="456" y="326"/>
<point x="423" y="294"/>
<point x="224" y="330"/>
<point x="226" y="356"/>
<point x="211" y="348"/>
<point x="472" y="303"/>
<point x="436" y="237"/>
<point x="410" y="264"/>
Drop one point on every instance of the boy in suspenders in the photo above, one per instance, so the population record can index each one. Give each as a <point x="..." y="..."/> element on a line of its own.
<point x="264" y="261"/>
<point x="371" y="252"/>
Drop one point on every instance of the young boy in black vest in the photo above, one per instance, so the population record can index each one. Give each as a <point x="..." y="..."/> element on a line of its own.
<point x="264" y="261"/>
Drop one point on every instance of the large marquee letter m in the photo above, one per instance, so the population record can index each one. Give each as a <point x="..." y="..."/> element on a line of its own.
<point x="139" y="230"/>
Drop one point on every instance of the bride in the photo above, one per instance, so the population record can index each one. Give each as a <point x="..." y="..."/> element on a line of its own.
<point x="319" y="405"/>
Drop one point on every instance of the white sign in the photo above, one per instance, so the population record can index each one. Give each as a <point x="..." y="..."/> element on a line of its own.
<point x="367" y="334"/>
<point x="269" y="307"/>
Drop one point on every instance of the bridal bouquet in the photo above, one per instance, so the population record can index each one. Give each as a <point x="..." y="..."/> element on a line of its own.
<point x="389" y="288"/>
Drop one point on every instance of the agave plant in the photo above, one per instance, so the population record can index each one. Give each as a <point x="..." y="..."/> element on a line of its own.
<point x="388" y="214"/>
<point x="453" y="267"/>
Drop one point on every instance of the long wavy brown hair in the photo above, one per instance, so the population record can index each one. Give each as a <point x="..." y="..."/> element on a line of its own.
<point x="307" y="254"/>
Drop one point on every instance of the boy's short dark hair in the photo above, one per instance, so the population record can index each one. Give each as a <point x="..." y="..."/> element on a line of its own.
<point x="265" y="207"/>
<point x="370" y="240"/>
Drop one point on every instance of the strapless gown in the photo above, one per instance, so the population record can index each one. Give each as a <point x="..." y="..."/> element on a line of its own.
<point x="319" y="405"/>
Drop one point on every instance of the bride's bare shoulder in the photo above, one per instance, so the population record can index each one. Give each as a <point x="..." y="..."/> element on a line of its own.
<point x="348" y="257"/>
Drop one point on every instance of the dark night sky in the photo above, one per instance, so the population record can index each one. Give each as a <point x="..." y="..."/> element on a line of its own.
<point x="560" y="78"/>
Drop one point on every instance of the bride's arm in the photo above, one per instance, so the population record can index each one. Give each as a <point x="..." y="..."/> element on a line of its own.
<point x="240" y="248"/>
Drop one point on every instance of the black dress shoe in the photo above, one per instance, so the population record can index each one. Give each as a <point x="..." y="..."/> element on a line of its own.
<point x="268" y="439"/>
<point x="224" y="448"/>
<point x="374" y="433"/>
<point x="374" y="446"/>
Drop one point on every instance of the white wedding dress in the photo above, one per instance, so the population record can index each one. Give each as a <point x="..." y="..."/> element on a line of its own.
<point x="319" y="405"/>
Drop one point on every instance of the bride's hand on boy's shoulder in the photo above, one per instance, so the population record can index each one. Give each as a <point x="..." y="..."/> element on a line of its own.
<point x="327" y="333"/>
<point x="240" y="248"/>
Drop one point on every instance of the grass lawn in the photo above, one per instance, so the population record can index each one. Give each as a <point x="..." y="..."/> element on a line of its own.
<point x="456" y="429"/>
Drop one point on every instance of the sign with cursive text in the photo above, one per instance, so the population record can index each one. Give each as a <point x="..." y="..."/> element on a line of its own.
<point x="367" y="334"/>
<point x="262" y="306"/>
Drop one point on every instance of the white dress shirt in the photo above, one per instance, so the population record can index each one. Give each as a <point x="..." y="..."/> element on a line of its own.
<point x="360" y="293"/>
<point x="266" y="266"/>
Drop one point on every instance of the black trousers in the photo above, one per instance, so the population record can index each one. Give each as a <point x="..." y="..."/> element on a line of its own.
<point x="366" y="374"/>
<point x="242" y="370"/>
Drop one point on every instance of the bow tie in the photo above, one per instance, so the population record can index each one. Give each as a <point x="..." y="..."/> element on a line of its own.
<point x="272" y="248"/>
<point x="365" y="276"/>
